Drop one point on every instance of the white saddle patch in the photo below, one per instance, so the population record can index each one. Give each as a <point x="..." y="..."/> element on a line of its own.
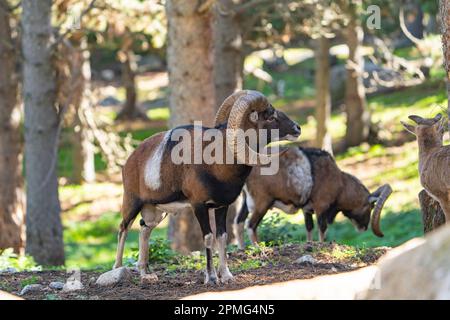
<point x="249" y="200"/>
<point x="152" y="174"/>
<point x="300" y="176"/>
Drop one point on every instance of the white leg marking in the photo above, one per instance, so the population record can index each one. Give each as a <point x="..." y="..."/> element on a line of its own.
<point x="322" y="236"/>
<point x="252" y="236"/>
<point x="224" y="273"/>
<point x="152" y="175"/>
<point x="152" y="217"/>
<point x="309" y="236"/>
<point x="210" y="275"/>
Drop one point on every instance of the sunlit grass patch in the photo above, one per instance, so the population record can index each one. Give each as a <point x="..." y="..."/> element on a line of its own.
<point x="159" y="113"/>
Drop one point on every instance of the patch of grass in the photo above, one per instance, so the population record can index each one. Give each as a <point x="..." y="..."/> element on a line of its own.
<point x="93" y="244"/>
<point x="5" y="286"/>
<point x="159" y="114"/>
<point x="8" y="259"/>
<point x="29" y="280"/>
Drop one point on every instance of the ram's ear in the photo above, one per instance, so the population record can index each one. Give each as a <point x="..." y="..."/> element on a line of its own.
<point x="442" y="125"/>
<point x="254" y="116"/>
<point x="410" y="128"/>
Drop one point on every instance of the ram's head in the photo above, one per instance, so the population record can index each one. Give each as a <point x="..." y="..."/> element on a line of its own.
<point x="246" y="110"/>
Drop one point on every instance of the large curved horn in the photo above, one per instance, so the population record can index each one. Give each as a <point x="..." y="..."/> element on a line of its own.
<point x="224" y="111"/>
<point x="252" y="101"/>
<point x="382" y="193"/>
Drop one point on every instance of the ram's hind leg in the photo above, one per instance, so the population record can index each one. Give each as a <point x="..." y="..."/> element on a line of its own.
<point x="255" y="219"/>
<point x="309" y="224"/>
<point x="130" y="209"/>
<point x="151" y="217"/>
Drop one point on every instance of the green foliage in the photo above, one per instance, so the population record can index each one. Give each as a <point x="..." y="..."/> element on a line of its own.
<point x="159" y="251"/>
<point x="8" y="259"/>
<point x="29" y="280"/>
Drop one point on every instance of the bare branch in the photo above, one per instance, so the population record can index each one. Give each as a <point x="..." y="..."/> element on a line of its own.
<point x="407" y="33"/>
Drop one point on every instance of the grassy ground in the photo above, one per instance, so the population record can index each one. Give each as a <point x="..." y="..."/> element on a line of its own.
<point x="181" y="276"/>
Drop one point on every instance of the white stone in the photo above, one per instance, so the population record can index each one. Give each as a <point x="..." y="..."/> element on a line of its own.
<point x="31" y="288"/>
<point x="306" y="259"/>
<point x="8" y="270"/>
<point x="56" y="285"/>
<point x="114" y="277"/>
<point x="73" y="285"/>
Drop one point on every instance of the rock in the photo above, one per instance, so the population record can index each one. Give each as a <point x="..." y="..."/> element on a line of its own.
<point x="56" y="285"/>
<point x="419" y="269"/>
<point x="306" y="259"/>
<point x="8" y="270"/>
<point x="72" y="285"/>
<point x="92" y="281"/>
<point x="114" y="277"/>
<point x="31" y="288"/>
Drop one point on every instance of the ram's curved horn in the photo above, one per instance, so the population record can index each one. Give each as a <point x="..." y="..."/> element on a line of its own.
<point x="382" y="193"/>
<point x="224" y="110"/>
<point x="243" y="106"/>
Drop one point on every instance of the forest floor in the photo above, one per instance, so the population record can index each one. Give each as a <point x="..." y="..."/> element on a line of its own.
<point x="252" y="267"/>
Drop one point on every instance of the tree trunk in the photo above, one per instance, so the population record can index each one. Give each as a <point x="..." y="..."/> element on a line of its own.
<point x="12" y="215"/>
<point x="228" y="51"/>
<point x="432" y="214"/>
<point x="44" y="228"/>
<point x="358" y="117"/>
<point x="130" y="111"/>
<point x="323" y="98"/>
<point x="192" y="98"/>
<point x="444" y="13"/>
<point x="83" y="140"/>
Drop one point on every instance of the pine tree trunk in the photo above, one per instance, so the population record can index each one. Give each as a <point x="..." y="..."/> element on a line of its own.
<point x="44" y="228"/>
<point x="12" y="215"/>
<point x="228" y="51"/>
<point x="323" y="97"/>
<point x="432" y="214"/>
<point x="358" y="116"/>
<point x="83" y="141"/>
<point x="444" y="13"/>
<point x="130" y="111"/>
<point x="192" y="98"/>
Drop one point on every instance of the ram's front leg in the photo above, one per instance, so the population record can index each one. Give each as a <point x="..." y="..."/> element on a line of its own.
<point x="201" y="212"/>
<point x="225" y="275"/>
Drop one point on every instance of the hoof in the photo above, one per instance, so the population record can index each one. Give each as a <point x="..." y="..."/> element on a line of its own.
<point x="211" y="280"/>
<point x="149" y="278"/>
<point x="226" y="277"/>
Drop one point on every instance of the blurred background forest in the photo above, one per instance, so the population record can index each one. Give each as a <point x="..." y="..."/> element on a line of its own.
<point x="77" y="97"/>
